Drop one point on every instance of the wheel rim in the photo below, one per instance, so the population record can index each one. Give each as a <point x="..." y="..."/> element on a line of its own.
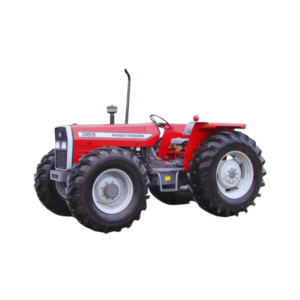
<point x="112" y="191"/>
<point x="235" y="176"/>
<point x="60" y="187"/>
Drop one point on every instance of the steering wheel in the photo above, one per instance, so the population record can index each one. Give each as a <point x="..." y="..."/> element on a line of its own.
<point x="164" y="125"/>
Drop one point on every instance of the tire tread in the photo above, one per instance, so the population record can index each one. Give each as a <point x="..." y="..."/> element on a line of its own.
<point x="77" y="176"/>
<point x="203" y="160"/>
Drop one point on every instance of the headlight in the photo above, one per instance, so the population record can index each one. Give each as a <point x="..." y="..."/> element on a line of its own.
<point x="64" y="145"/>
<point x="57" y="145"/>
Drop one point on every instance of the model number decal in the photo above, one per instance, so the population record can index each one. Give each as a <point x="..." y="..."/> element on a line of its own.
<point x="87" y="134"/>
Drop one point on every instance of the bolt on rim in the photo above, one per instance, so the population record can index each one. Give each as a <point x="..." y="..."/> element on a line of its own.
<point x="235" y="176"/>
<point x="112" y="191"/>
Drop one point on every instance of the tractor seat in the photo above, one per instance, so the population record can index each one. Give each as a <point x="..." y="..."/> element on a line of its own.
<point x="187" y="132"/>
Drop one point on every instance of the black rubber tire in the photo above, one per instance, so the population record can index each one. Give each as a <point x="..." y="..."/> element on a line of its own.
<point x="46" y="188"/>
<point x="204" y="167"/>
<point x="80" y="184"/>
<point x="171" y="198"/>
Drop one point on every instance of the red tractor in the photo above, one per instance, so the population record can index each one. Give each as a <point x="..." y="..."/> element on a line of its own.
<point x="100" y="174"/>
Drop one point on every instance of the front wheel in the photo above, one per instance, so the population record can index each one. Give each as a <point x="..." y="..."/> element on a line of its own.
<point x="107" y="189"/>
<point x="227" y="173"/>
<point x="51" y="193"/>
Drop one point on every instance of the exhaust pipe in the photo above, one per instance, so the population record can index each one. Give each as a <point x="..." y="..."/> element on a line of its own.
<point x="128" y="96"/>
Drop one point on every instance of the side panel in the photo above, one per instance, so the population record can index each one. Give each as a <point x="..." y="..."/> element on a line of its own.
<point x="200" y="133"/>
<point x="89" y="137"/>
<point x="176" y="131"/>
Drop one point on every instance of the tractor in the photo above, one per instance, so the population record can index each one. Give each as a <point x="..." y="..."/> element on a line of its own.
<point x="100" y="174"/>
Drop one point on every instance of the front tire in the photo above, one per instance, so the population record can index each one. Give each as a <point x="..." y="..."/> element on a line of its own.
<point x="223" y="186"/>
<point x="107" y="189"/>
<point x="50" y="193"/>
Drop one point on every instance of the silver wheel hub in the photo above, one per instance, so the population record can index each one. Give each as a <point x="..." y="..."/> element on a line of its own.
<point x="229" y="174"/>
<point x="235" y="175"/>
<point x="112" y="191"/>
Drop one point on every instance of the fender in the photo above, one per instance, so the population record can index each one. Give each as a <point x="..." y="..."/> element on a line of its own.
<point x="176" y="131"/>
<point x="200" y="133"/>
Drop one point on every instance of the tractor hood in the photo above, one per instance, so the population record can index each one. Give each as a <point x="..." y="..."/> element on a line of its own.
<point x="115" y="135"/>
<point x="89" y="137"/>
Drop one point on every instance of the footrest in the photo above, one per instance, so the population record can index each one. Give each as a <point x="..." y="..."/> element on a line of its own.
<point x="168" y="179"/>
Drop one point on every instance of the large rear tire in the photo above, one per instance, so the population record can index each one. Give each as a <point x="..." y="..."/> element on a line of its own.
<point x="107" y="189"/>
<point x="50" y="193"/>
<point x="223" y="186"/>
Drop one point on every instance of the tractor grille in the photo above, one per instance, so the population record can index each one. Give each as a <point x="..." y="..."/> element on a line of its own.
<point x="60" y="133"/>
<point x="61" y="159"/>
<point x="61" y="153"/>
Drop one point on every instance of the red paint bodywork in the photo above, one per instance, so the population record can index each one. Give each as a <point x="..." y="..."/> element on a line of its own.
<point x="199" y="134"/>
<point x="176" y="131"/>
<point x="84" y="145"/>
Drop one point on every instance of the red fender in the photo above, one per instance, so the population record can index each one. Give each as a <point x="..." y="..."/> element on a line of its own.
<point x="200" y="133"/>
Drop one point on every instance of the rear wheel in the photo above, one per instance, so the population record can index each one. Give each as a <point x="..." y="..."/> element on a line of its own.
<point x="107" y="189"/>
<point x="51" y="193"/>
<point x="227" y="173"/>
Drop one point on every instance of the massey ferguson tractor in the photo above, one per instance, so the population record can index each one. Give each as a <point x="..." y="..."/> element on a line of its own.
<point x="100" y="174"/>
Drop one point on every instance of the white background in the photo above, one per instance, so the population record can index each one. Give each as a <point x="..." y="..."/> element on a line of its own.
<point x="234" y="61"/>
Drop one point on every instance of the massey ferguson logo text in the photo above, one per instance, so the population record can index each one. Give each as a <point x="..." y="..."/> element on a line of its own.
<point x="128" y="135"/>
<point x="116" y="135"/>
